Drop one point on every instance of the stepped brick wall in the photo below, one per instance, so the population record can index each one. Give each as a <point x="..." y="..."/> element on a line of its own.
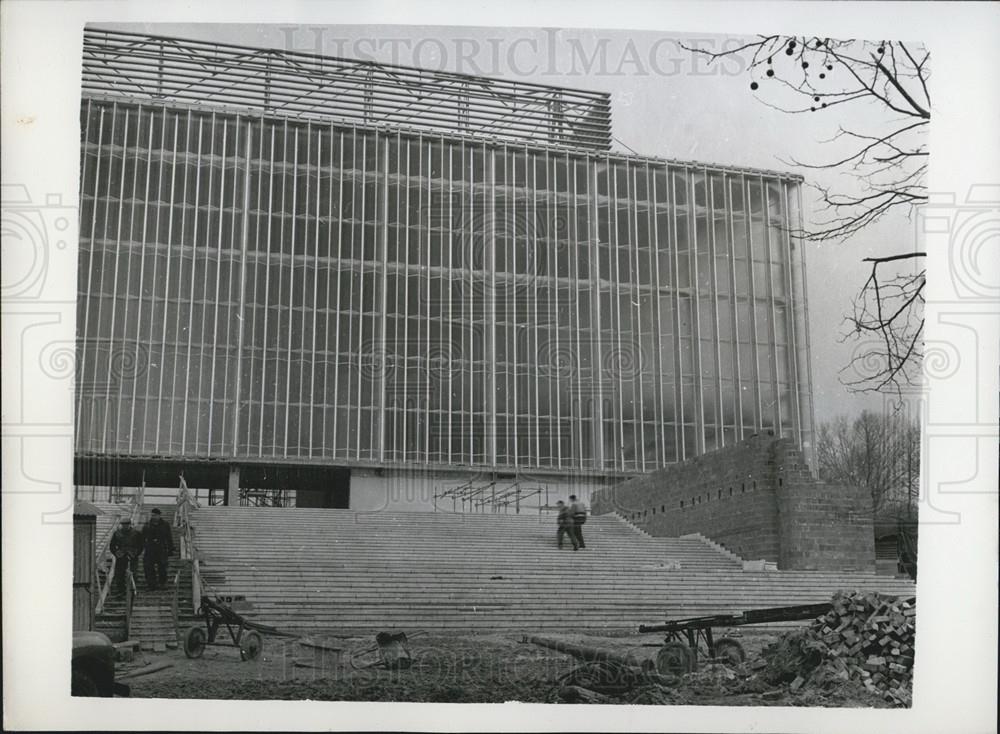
<point x="759" y="500"/>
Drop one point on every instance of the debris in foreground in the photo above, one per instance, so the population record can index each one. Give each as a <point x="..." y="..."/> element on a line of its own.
<point x="865" y="637"/>
<point x="147" y="669"/>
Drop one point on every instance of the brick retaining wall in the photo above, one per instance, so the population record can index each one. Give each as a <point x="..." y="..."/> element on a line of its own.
<point x="759" y="500"/>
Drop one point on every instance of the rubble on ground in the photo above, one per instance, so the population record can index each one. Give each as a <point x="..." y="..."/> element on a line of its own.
<point x="863" y="644"/>
<point x="865" y="638"/>
<point x="843" y="658"/>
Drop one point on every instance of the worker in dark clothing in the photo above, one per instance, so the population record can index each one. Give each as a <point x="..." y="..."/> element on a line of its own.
<point x="126" y="545"/>
<point x="565" y="522"/>
<point x="158" y="545"/>
<point x="578" y="511"/>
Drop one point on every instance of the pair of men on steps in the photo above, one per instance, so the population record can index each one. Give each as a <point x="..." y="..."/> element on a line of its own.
<point x="155" y="542"/>
<point x="570" y="522"/>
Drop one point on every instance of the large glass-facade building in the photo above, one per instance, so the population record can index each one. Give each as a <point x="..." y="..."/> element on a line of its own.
<point x="320" y="289"/>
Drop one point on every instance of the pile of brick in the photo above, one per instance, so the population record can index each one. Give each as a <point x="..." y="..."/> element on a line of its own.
<point x="867" y="638"/>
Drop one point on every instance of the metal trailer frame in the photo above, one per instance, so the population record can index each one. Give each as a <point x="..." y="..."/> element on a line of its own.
<point x="242" y="633"/>
<point x="679" y="651"/>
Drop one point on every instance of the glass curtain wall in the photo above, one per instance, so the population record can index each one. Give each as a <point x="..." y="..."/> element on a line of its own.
<point x="264" y="287"/>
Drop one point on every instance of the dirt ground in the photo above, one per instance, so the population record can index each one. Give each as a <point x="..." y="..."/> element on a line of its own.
<point x="488" y="668"/>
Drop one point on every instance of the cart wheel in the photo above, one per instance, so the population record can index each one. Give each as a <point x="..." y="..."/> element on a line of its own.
<point x="194" y="642"/>
<point x="674" y="658"/>
<point x="730" y="651"/>
<point x="250" y="646"/>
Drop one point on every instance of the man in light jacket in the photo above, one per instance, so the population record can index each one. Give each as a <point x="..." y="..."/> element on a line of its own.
<point x="578" y="511"/>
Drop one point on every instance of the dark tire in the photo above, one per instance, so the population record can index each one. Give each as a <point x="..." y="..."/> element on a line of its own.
<point x="729" y="651"/>
<point x="674" y="658"/>
<point x="194" y="642"/>
<point x="251" y="645"/>
<point x="83" y="685"/>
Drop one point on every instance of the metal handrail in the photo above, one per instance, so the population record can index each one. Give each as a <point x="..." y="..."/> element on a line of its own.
<point x="134" y="511"/>
<point x="195" y="581"/>
<point x="175" y="606"/>
<point x="109" y="578"/>
<point x="471" y="494"/>
<point x="105" y="541"/>
<point x="130" y="593"/>
<point x="454" y="490"/>
<point x="188" y="550"/>
<point x="137" y="501"/>
<point x="185" y="503"/>
<point x="520" y="494"/>
<point x="503" y="496"/>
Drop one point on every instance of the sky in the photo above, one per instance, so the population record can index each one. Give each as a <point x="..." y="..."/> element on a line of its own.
<point x="666" y="102"/>
<point x="679" y="114"/>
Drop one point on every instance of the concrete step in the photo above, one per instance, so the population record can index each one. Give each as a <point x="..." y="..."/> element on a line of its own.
<point x="338" y="569"/>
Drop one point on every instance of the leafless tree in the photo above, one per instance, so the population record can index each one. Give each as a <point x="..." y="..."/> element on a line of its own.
<point x="887" y="162"/>
<point x="887" y="319"/>
<point x="880" y="452"/>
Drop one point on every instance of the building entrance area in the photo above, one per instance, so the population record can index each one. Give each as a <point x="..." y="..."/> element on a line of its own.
<point x="294" y="486"/>
<point x="214" y="482"/>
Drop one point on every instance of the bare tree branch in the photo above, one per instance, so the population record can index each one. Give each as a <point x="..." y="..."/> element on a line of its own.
<point x="888" y="312"/>
<point x="892" y="79"/>
<point x="799" y="75"/>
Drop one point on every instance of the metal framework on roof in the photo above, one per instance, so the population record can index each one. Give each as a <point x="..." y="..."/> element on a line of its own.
<point x="322" y="87"/>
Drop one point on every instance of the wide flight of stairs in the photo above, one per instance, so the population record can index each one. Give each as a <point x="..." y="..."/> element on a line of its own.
<point x="340" y="570"/>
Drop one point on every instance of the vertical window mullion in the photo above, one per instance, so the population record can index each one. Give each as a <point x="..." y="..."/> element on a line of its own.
<point x="114" y="291"/>
<point x="654" y="253"/>
<point x="713" y="246"/>
<point x="186" y="396"/>
<point x="358" y="256"/>
<point x="638" y="403"/>
<point x="446" y="284"/>
<point x="218" y="276"/>
<point x="758" y="418"/>
<point x="680" y="447"/>
<point x="404" y="411"/>
<point x="156" y="248"/>
<point x="94" y="332"/>
<point x="241" y="306"/>
<point x="429" y="349"/>
<point x="337" y="362"/>
<point x="85" y="347"/>
<point x="772" y="333"/>
<point x="491" y="367"/>
<point x="791" y="334"/>
<point x="142" y="243"/>
<point x="159" y="448"/>
<point x="384" y="351"/>
<point x="734" y="310"/>
<point x="596" y="347"/>
<point x="314" y="306"/>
